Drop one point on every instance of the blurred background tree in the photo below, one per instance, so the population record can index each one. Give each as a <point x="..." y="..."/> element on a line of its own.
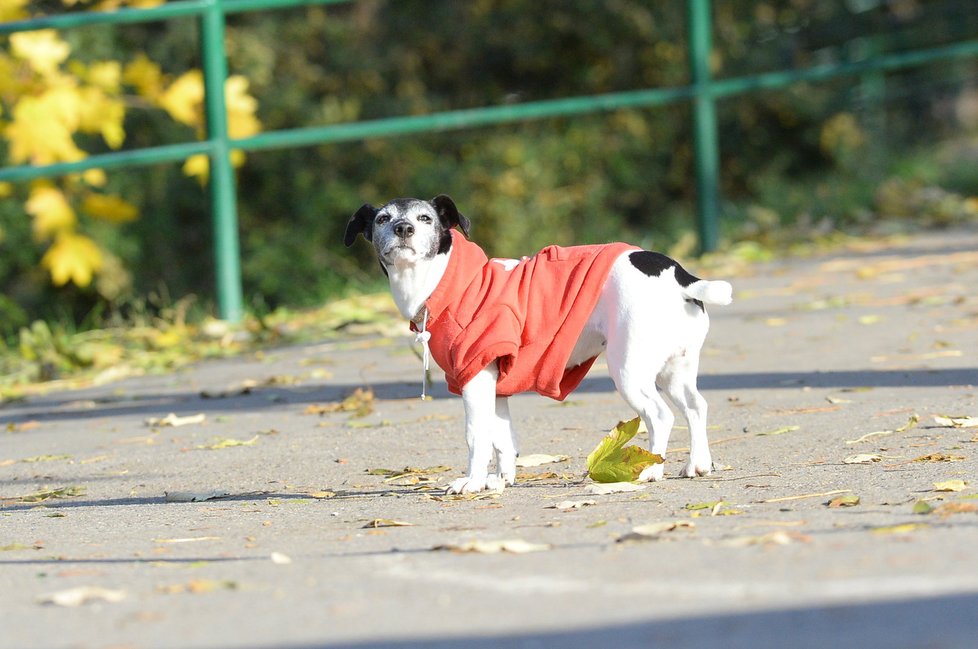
<point x="797" y="163"/>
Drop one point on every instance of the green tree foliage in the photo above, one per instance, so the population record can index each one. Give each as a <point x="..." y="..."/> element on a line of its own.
<point x="814" y="154"/>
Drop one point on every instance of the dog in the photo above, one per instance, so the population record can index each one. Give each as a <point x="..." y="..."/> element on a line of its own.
<point x="503" y="326"/>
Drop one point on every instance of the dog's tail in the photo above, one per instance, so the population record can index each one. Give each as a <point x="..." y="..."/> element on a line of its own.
<point x="709" y="292"/>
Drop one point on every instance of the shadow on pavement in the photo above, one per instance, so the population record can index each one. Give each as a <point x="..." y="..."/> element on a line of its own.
<point x="47" y="409"/>
<point x="945" y="622"/>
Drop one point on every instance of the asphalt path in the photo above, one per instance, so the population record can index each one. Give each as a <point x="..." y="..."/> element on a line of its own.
<point x="843" y="510"/>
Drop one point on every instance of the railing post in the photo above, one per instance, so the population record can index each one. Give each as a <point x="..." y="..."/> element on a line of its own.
<point x="224" y="209"/>
<point x="705" y="138"/>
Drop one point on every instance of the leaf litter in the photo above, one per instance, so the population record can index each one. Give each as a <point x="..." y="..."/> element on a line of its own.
<point x="569" y="505"/>
<point x="846" y="500"/>
<point x="173" y="420"/>
<point x="74" y="597"/>
<point x="956" y="421"/>
<point x="226" y="442"/>
<point x="386" y="522"/>
<point x="409" y="476"/>
<point x="951" y="485"/>
<point x="51" y="494"/>
<point x="358" y="403"/>
<point x="911" y="423"/>
<point x="655" y="531"/>
<point x="508" y="546"/>
<point x="603" y="489"/>
<point x="539" y="459"/>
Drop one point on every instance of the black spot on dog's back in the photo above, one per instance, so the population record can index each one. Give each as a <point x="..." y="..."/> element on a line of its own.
<point x="654" y="264"/>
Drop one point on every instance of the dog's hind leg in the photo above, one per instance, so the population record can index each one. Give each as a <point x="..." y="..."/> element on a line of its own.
<point x="636" y="386"/>
<point x="504" y="442"/>
<point x="678" y="380"/>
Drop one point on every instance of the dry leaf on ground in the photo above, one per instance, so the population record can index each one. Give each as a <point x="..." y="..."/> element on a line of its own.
<point x="226" y="442"/>
<point x="602" y="489"/>
<point x="511" y="546"/>
<point x="779" y="537"/>
<point x="863" y="458"/>
<point x="654" y="531"/>
<point x="196" y="586"/>
<point x="938" y="457"/>
<point x="538" y="459"/>
<point x="50" y="494"/>
<point x="803" y="496"/>
<point x="955" y="508"/>
<point x="567" y="505"/>
<point x="778" y="431"/>
<point x="951" y="485"/>
<point x="911" y="423"/>
<point x="173" y="420"/>
<point x="903" y="528"/>
<point x="956" y="421"/>
<point x="386" y="522"/>
<point x="73" y="597"/>
<point x="359" y="403"/>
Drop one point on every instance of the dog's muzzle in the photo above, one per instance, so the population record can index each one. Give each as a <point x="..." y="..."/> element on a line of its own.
<point x="403" y="230"/>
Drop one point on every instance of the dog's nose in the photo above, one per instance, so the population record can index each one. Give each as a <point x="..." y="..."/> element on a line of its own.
<point x="403" y="229"/>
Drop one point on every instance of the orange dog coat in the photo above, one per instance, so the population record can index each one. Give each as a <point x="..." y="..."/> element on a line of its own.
<point x="526" y="314"/>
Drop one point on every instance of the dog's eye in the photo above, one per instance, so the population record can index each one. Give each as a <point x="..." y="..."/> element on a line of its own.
<point x="382" y="218"/>
<point x="424" y="218"/>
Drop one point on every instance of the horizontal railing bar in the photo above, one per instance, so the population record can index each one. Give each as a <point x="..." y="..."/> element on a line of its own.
<point x="484" y="116"/>
<point x="178" y="9"/>
<point x="134" y="158"/>
<point x="879" y="63"/>
<point x="459" y="119"/>
<point x="488" y="115"/>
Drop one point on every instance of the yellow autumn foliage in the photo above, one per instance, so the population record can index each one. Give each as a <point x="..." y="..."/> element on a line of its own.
<point x="39" y="134"/>
<point x="43" y="50"/>
<point x="51" y="211"/>
<point x="145" y="76"/>
<point x="49" y="97"/>
<point x="72" y="258"/>
<point x="114" y="209"/>
<point x="184" y="98"/>
<point x="13" y="10"/>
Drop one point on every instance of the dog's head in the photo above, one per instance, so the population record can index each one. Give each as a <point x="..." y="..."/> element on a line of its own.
<point x="407" y="231"/>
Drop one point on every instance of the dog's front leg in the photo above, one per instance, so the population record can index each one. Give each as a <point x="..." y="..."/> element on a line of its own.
<point x="479" y="400"/>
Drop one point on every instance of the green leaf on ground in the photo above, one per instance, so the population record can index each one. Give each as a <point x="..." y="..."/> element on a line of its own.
<point x="922" y="507"/>
<point x="612" y="461"/>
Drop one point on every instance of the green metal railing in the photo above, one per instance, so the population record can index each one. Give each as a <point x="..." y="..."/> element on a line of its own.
<point x="703" y="93"/>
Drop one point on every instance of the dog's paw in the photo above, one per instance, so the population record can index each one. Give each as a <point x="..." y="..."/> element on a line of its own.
<point x="475" y="484"/>
<point x="654" y="473"/>
<point x="693" y="468"/>
<point x="497" y="482"/>
<point x="470" y="484"/>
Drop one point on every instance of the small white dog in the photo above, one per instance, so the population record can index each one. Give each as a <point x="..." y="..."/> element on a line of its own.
<point x="502" y="326"/>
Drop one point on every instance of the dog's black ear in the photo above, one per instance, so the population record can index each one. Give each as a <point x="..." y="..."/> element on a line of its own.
<point x="448" y="214"/>
<point x="360" y="223"/>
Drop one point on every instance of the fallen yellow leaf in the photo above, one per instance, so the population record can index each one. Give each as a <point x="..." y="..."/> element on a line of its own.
<point x="951" y="485"/>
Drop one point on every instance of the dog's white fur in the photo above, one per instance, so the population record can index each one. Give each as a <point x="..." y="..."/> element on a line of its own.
<point x="648" y="326"/>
